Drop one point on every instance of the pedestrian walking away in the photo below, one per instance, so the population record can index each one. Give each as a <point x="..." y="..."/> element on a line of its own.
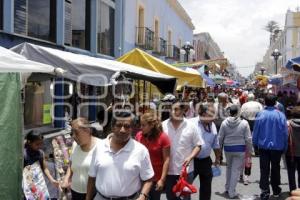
<point x="270" y="135"/>
<point x="235" y="135"/>
<point x="293" y="153"/>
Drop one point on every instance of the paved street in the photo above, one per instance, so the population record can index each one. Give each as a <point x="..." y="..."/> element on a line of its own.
<point x="249" y="192"/>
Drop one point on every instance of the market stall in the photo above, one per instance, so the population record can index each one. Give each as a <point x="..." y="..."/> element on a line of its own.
<point x="91" y="70"/>
<point x="11" y="126"/>
<point x="144" y="60"/>
<point x="95" y="82"/>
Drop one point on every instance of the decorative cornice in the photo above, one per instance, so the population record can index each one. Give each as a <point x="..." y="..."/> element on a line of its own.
<point x="181" y="13"/>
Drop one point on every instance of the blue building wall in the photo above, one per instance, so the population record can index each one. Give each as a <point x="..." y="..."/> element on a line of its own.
<point x="154" y="9"/>
<point x="14" y="33"/>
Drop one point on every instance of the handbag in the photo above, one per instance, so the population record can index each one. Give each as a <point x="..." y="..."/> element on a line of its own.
<point x="182" y="187"/>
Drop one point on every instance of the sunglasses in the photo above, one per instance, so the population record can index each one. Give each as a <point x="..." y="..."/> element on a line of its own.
<point x="126" y="126"/>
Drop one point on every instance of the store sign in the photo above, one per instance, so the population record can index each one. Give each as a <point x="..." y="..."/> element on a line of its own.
<point x="47" y="113"/>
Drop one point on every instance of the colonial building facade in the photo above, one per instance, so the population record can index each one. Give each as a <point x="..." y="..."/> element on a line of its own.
<point x="205" y="47"/>
<point x="287" y="43"/>
<point x="160" y="27"/>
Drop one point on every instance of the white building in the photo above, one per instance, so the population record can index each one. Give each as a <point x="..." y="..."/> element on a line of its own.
<point x="287" y="43"/>
<point x="159" y="26"/>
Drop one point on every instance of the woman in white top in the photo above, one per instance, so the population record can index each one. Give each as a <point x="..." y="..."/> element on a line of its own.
<point x="77" y="173"/>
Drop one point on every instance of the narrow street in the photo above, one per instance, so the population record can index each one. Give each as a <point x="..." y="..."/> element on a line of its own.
<point x="101" y="98"/>
<point x="247" y="192"/>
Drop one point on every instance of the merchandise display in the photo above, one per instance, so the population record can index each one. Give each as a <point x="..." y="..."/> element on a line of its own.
<point x="57" y="151"/>
<point x="34" y="185"/>
<point x="61" y="151"/>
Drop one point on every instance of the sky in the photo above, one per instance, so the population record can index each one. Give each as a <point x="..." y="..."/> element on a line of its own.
<point x="237" y="26"/>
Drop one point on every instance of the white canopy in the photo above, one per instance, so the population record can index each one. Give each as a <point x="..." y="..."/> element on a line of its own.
<point x="13" y="62"/>
<point x="89" y="70"/>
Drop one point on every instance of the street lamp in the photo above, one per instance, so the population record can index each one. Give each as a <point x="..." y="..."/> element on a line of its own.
<point x="187" y="49"/>
<point x="262" y="69"/>
<point x="276" y="54"/>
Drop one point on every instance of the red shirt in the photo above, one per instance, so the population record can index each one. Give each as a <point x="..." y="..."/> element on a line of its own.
<point x="155" y="149"/>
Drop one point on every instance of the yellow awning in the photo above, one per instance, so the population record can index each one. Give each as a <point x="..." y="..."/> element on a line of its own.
<point x="142" y="59"/>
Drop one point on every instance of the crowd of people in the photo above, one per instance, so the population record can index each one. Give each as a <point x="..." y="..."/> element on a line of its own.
<point x="141" y="159"/>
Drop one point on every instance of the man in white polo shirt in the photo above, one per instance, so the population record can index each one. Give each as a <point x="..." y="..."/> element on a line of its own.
<point x="121" y="168"/>
<point x="185" y="145"/>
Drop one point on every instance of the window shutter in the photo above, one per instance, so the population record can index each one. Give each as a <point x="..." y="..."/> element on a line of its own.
<point x="68" y="22"/>
<point x="20" y="24"/>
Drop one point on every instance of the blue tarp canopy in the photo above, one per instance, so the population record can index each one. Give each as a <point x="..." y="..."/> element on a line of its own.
<point x="209" y="81"/>
<point x="218" y="79"/>
<point x="276" y="80"/>
<point x="293" y="64"/>
<point x="236" y="84"/>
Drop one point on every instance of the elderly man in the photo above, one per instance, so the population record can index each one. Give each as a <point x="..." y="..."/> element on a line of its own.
<point x="121" y="168"/>
<point x="250" y="109"/>
<point x="222" y="112"/>
<point x="203" y="163"/>
<point x="186" y="144"/>
<point x="221" y="108"/>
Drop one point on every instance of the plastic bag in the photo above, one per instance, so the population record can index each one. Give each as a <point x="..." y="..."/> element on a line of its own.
<point x="182" y="187"/>
<point x="216" y="171"/>
<point x="248" y="160"/>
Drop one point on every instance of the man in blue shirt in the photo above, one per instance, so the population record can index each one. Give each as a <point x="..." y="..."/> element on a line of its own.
<point x="270" y="135"/>
<point x="208" y="131"/>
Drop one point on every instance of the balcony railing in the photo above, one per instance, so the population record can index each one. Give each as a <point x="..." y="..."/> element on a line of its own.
<point x="145" y="38"/>
<point x="160" y="46"/>
<point x="173" y="52"/>
<point x="176" y="53"/>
